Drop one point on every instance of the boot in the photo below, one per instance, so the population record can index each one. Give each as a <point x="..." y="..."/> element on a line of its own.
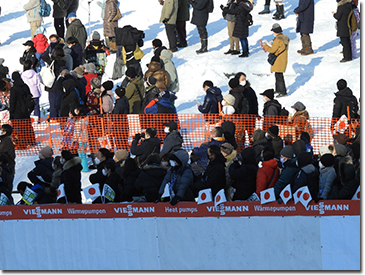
<point x="85" y="167"/>
<point x="276" y="12"/>
<point x="107" y="42"/>
<point x="244" y="54"/>
<point x="204" y="47"/>
<point x="301" y="51"/>
<point x="113" y="46"/>
<point x="280" y="13"/>
<point x="266" y="10"/>
<point x="307" y="51"/>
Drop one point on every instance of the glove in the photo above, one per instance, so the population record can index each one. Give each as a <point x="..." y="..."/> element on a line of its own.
<point x="222" y="7"/>
<point x="137" y="137"/>
<point x="165" y="20"/>
<point x="175" y="200"/>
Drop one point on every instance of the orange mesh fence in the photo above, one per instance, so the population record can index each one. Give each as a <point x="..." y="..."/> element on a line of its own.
<point x="87" y="134"/>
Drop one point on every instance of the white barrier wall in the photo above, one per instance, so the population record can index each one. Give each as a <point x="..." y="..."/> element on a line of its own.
<point x="230" y="243"/>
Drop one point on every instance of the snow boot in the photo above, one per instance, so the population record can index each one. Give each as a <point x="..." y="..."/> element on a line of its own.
<point x="244" y="54"/>
<point x="266" y="10"/>
<point x="85" y="167"/>
<point x="204" y="46"/>
<point x="113" y="46"/>
<point x="301" y="51"/>
<point x="307" y="51"/>
<point x="280" y="13"/>
<point x="276" y="12"/>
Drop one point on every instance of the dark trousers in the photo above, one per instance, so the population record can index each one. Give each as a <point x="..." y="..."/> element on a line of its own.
<point x="59" y="25"/>
<point x="170" y="32"/>
<point x="280" y="83"/>
<point x="202" y="30"/>
<point x="346" y="44"/>
<point x="267" y="2"/>
<point x="55" y="99"/>
<point x="37" y="111"/>
<point x="181" y="31"/>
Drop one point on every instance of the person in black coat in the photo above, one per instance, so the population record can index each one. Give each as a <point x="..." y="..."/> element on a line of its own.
<point x="214" y="176"/>
<point x="130" y="174"/>
<point x="259" y="142"/>
<point x="43" y="171"/>
<point x="121" y="105"/>
<point x="344" y="8"/>
<point x="344" y="97"/>
<point x="151" y="91"/>
<point x="212" y="98"/>
<point x="7" y="147"/>
<point x="76" y="52"/>
<point x="305" y="23"/>
<point x="70" y="99"/>
<point x="236" y="90"/>
<point x="241" y="11"/>
<point x="102" y="157"/>
<point x="271" y="109"/>
<point x="200" y="19"/>
<point x="149" y="180"/>
<point x="120" y="123"/>
<point x="71" y="177"/>
<point x="3" y="69"/>
<point x="150" y="144"/>
<point x="173" y="140"/>
<point x="243" y="174"/>
<point x="29" y="54"/>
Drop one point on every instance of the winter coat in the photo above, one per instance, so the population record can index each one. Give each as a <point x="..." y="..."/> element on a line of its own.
<point x="162" y="76"/>
<point x="32" y="9"/>
<point x="29" y="55"/>
<point x="181" y="178"/>
<point x="70" y="99"/>
<point x="200" y="12"/>
<point x="73" y="7"/>
<point x="18" y="95"/>
<point x="92" y="102"/>
<point x="272" y="108"/>
<point x="127" y="188"/>
<point x="77" y="56"/>
<point x="147" y="147"/>
<point x="183" y="13"/>
<point x="88" y="77"/>
<point x="173" y="142"/>
<point x="344" y="8"/>
<point x="59" y="62"/>
<point x="40" y="42"/>
<point x="202" y="150"/>
<point x="169" y="11"/>
<point x="170" y="68"/>
<point x="121" y="106"/>
<point x="150" y="94"/>
<point x="326" y="177"/>
<point x="229" y="130"/>
<point x="77" y="30"/>
<point x="349" y="182"/>
<point x="264" y="175"/>
<point x="212" y="98"/>
<point x="287" y="176"/>
<point x="341" y="101"/>
<point x="240" y="11"/>
<point x="43" y="168"/>
<point x="149" y="181"/>
<point x="307" y="176"/>
<point x="98" y="177"/>
<point x="300" y="121"/>
<point x="32" y="79"/>
<point x="237" y="92"/>
<point x="60" y="8"/>
<point x="305" y="19"/>
<point x="252" y="99"/>
<point x="107" y="102"/>
<point x="7" y="147"/>
<point x="231" y="5"/>
<point x="243" y="176"/>
<point x="110" y="12"/>
<point x="277" y="145"/>
<point x="259" y="145"/>
<point x="69" y="59"/>
<point x="160" y="106"/>
<point x="135" y="92"/>
<point x="71" y="178"/>
<point x="280" y="44"/>
<point x="113" y="180"/>
<point x="56" y="176"/>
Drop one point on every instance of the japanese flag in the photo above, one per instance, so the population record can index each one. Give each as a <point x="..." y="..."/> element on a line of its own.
<point x="205" y="196"/>
<point x="267" y="195"/>
<point x="342" y="124"/>
<point x="92" y="191"/>
<point x="356" y="196"/>
<point x="219" y="198"/>
<point x="305" y="197"/>
<point x="61" y="191"/>
<point x="297" y="195"/>
<point x="166" y="191"/>
<point x="285" y="194"/>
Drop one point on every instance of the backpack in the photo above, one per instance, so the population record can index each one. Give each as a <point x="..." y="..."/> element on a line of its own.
<point x="210" y="6"/>
<point x="353" y="107"/>
<point x="283" y="112"/>
<point x="245" y="105"/>
<point x="45" y="8"/>
<point x="352" y="22"/>
<point x="249" y="19"/>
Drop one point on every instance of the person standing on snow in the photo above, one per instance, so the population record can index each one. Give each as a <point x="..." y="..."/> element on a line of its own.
<point x="200" y="19"/>
<point x="305" y="22"/>
<point x="168" y="18"/>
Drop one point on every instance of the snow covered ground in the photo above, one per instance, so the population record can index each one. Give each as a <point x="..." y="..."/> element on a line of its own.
<point x="309" y="79"/>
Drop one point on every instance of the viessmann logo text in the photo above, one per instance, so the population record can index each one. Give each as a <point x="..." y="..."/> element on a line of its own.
<point x="130" y="210"/>
<point x="42" y="211"/>
<point x="321" y="207"/>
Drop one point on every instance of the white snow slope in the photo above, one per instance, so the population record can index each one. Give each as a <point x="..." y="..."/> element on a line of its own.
<point x="310" y="79"/>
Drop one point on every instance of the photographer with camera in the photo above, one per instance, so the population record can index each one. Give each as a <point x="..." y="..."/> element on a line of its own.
<point x="149" y="144"/>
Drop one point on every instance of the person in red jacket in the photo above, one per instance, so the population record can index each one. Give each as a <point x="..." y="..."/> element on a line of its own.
<point x="89" y="73"/>
<point x="40" y="44"/>
<point x="269" y="173"/>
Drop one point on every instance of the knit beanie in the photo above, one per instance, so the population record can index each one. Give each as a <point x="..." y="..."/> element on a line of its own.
<point x="95" y="83"/>
<point x="341" y="84"/>
<point x="230" y="99"/>
<point x="96" y="36"/>
<point x="121" y="155"/>
<point x="47" y="152"/>
<point x="227" y="148"/>
<point x="67" y="155"/>
<point x="258" y="134"/>
<point x="131" y="72"/>
<point x="108" y="85"/>
<point x="287" y="152"/>
<point x="273" y="130"/>
<point x="233" y="83"/>
<point x="120" y="91"/>
<point x="298" y="147"/>
<point x="304" y="159"/>
<point x="89" y="67"/>
<point x="327" y="160"/>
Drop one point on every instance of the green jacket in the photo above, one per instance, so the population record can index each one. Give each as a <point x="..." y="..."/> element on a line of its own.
<point x="135" y="92"/>
<point x="77" y="30"/>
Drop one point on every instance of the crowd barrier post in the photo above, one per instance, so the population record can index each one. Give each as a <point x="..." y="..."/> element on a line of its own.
<point x="102" y="121"/>
<point x="49" y="132"/>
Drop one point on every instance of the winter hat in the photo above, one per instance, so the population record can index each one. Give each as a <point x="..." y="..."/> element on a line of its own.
<point x="120" y="91"/>
<point x="276" y="28"/>
<point x="151" y="80"/>
<point x="299" y="106"/>
<point x="341" y="138"/>
<point x="95" y="36"/>
<point x="304" y="159"/>
<point x="15" y="76"/>
<point x="273" y="130"/>
<point x="230" y="99"/>
<point x="95" y="83"/>
<point x="227" y="148"/>
<point x="89" y="67"/>
<point x="269" y="92"/>
<point x="67" y="155"/>
<point x="287" y="152"/>
<point x="325" y="150"/>
<point x="171" y="124"/>
<point x="298" y="147"/>
<point x="340" y="150"/>
<point x="108" y="85"/>
<point x="70" y="15"/>
<point x="233" y="83"/>
<point x="47" y="152"/>
<point x="39" y="30"/>
<point x="78" y="72"/>
<point x="121" y="155"/>
<point x="258" y="134"/>
<point x="155" y="58"/>
<point x="327" y="160"/>
<point x="29" y="43"/>
<point x="106" y="153"/>
<point x="131" y="72"/>
<point x="341" y="84"/>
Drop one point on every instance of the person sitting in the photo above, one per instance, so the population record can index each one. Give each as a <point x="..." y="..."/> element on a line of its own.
<point x="102" y="157"/>
<point x="161" y="105"/>
<point x="51" y="190"/>
<point x="173" y="140"/>
<point x="41" y="197"/>
<point x="120" y="157"/>
<point x="42" y="173"/>
<point x="269" y="173"/>
<point x="130" y="174"/>
<point x="259" y="143"/>
<point x="307" y="139"/>
<point x="230" y="154"/>
<point x="150" y="144"/>
<point x="327" y="175"/>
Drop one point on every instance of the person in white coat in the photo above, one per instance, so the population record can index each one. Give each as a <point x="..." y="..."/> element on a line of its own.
<point x="33" y="17"/>
<point x="169" y="66"/>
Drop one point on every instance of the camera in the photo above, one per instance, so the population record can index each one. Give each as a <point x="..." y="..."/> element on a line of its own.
<point x="142" y="135"/>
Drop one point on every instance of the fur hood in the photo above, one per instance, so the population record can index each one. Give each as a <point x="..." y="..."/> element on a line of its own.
<point x="71" y="163"/>
<point x="283" y="38"/>
<point x="343" y="2"/>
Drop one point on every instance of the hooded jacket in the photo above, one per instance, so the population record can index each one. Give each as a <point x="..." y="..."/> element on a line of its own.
<point x="272" y="108"/>
<point x="169" y="66"/>
<point x="40" y="42"/>
<point x="173" y="142"/>
<point x="147" y="147"/>
<point x="327" y="175"/>
<point x="161" y="75"/>
<point x="18" y="96"/>
<point x="307" y="176"/>
<point x="280" y="44"/>
<point x="264" y="175"/>
<point x="212" y="98"/>
<point x="32" y="10"/>
<point x="135" y="92"/>
<point x="341" y="101"/>
<point x="32" y="79"/>
<point x="77" y="30"/>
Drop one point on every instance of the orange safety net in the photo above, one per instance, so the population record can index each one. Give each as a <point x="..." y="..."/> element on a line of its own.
<point x="88" y="134"/>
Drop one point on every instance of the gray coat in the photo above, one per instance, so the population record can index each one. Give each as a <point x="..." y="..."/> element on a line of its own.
<point x="32" y="10"/>
<point x="172" y="143"/>
<point x="200" y="12"/>
<point x="170" y="68"/>
<point x="326" y="177"/>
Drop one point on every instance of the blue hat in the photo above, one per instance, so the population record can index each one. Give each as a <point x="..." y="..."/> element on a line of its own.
<point x="39" y="30"/>
<point x="71" y="14"/>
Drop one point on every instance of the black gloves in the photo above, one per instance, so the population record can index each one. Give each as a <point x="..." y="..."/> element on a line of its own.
<point x="165" y="20"/>
<point x="222" y="7"/>
<point x="175" y="200"/>
<point x="137" y="136"/>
